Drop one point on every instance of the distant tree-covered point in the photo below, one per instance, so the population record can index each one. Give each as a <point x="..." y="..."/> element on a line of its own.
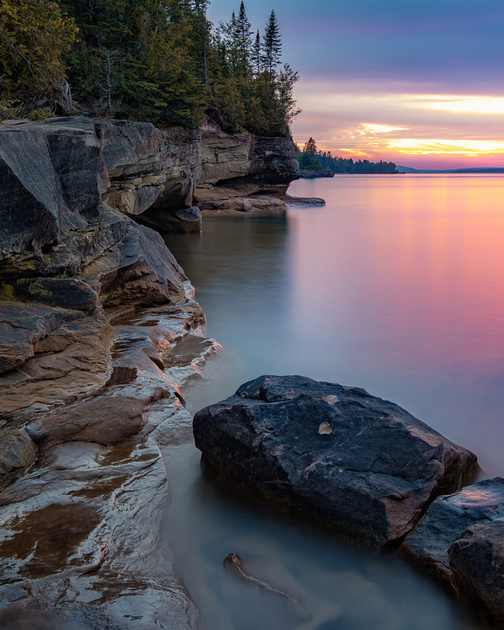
<point x="310" y="158"/>
<point x="156" y="60"/>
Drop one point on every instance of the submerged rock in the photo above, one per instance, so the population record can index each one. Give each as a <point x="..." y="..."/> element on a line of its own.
<point x="477" y="559"/>
<point x="446" y="519"/>
<point x="357" y="464"/>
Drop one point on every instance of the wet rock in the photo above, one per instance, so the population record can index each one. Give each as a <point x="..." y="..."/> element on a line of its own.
<point x="139" y="270"/>
<point x="17" y="453"/>
<point x="477" y="559"/>
<point x="445" y="520"/>
<point x="66" y="354"/>
<point x="104" y="568"/>
<point x="71" y="293"/>
<point x="104" y="420"/>
<point x="22" y="327"/>
<point x="352" y="462"/>
<point x="252" y="203"/>
<point x="303" y="201"/>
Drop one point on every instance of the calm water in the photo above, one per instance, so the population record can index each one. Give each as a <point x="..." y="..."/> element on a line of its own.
<point x="396" y="285"/>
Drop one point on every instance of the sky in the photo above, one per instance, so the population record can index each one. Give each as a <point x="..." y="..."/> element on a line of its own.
<point x="416" y="82"/>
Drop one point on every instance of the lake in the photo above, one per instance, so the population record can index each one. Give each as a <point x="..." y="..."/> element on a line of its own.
<point x="397" y="286"/>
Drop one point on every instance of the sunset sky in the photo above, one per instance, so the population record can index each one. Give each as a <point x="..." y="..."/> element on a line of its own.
<point x="418" y="82"/>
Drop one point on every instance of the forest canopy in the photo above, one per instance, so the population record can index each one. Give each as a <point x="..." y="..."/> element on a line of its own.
<point x="311" y="158"/>
<point x="157" y="60"/>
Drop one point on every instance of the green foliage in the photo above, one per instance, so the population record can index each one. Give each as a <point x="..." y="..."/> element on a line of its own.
<point x="272" y="44"/>
<point x="244" y="71"/>
<point x="157" y="60"/>
<point x="9" y="109"/>
<point x="41" y="114"/>
<point x="34" y="37"/>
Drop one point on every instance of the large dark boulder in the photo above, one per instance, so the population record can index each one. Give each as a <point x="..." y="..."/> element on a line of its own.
<point x="362" y="466"/>
<point x="446" y="519"/>
<point x="477" y="558"/>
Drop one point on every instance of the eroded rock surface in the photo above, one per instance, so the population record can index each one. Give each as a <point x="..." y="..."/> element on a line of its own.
<point x="97" y="332"/>
<point x="241" y="172"/>
<point x="77" y="541"/>
<point x="355" y="463"/>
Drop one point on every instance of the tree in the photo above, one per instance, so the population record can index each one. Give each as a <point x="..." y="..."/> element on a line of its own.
<point x="34" y="38"/>
<point x="308" y="158"/>
<point x="272" y="44"/>
<point x="256" y="54"/>
<point x="243" y="39"/>
<point x="310" y="148"/>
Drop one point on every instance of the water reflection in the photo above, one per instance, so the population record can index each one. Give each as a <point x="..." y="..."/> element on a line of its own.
<point x="396" y="286"/>
<point x="336" y="587"/>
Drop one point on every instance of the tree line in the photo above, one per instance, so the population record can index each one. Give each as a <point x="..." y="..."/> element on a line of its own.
<point x="157" y="60"/>
<point x="311" y="158"/>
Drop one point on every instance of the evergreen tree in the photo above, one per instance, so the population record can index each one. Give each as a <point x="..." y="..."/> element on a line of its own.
<point x="243" y="39"/>
<point x="272" y="44"/>
<point x="256" y="54"/>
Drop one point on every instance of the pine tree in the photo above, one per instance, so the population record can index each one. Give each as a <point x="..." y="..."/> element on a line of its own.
<point x="256" y="54"/>
<point x="272" y="44"/>
<point x="243" y="39"/>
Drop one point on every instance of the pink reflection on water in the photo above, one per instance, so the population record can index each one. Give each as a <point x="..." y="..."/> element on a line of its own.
<point x="409" y="269"/>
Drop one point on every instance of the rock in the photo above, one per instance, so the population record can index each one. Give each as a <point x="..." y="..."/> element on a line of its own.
<point x="477" y="559"/>
<point x="303" y="201"/>
<point x="307" y="173"/>
<point x="357" y="464"/>
<point x="240" y="165"/>
<point x="70" y="293"/>
<point x="447" y="517"/>
<point x="47" y="168"/>
<point x="104" y="420"/>
<point x="17" y="453"/>
<point x="53" y="356"/>
<point x="180" y="221"/>
<point x="24" y="328"/>
<point x="140" y="270"/>
<point x="149" y="168"/>
<point x="100" y="471"/>
<point x="252" y="203"/>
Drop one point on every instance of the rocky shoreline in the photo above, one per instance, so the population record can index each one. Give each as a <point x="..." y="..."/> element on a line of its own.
<point x="366" y="470"/>
<point x="99" y="330"/>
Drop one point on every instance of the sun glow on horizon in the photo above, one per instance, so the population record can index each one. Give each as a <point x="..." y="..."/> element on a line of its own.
<point x="442" y="129"/>
<point x="470" y="148"/>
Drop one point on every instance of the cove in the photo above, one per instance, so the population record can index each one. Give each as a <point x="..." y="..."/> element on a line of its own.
<point x="395" y="286"/>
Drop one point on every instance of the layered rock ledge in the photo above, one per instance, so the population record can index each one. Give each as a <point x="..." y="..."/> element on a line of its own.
<point x="98" y="330"/>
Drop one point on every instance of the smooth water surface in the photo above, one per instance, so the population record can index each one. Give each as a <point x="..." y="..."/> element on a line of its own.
<point x="397" y="286"/>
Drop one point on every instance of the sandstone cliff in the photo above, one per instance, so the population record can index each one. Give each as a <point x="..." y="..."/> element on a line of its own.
<point x="242" y="172"/>
<point x="92" y="303"/>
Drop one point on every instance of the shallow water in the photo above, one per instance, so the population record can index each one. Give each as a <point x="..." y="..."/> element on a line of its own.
<point x="397" y="286"/>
